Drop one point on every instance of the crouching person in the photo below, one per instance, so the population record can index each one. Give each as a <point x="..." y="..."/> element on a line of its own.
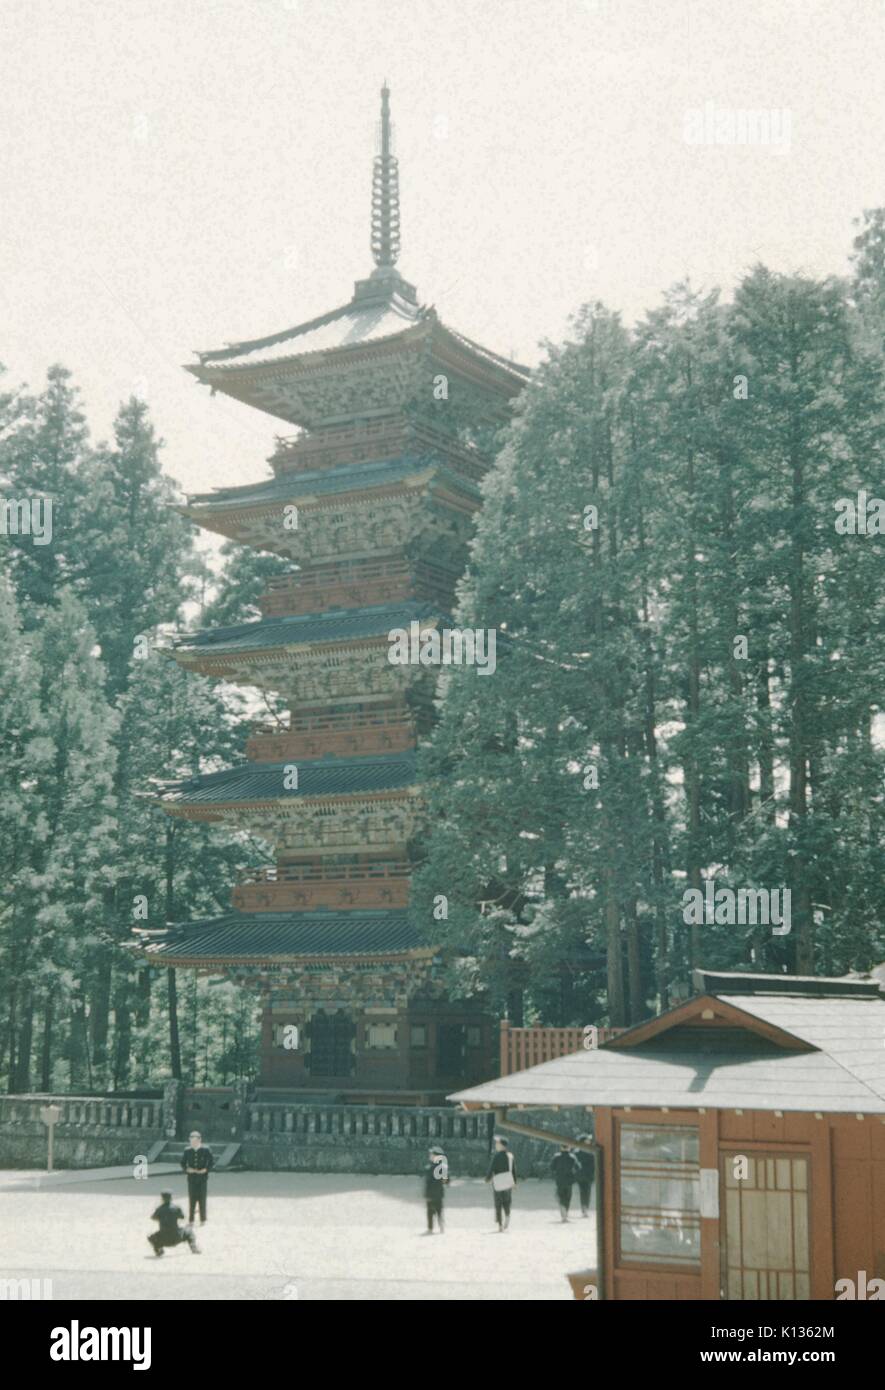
<point x="170" y="1232"/>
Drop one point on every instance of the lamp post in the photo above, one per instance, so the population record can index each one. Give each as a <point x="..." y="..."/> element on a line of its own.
<point x="50" y="1115"/>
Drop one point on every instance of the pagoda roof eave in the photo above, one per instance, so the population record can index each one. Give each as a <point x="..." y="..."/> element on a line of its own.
<point x="277" y="938"/>
<point x="260" y="356"/>
<point x="318" y="779"/>
<point x="331" y="627"/>
<point x="351" y="326"/>
<point x="315" y="486"/>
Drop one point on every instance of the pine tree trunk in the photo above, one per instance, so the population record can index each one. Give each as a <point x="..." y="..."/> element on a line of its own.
<point x="172" y="987"/>
<point x="662" y="948"/>
<point x="122" y="1044"/>
<point x="737" y="753"/>
<point x="800" y="713"/>
<point x="25" y="1044"/>
<point x="614" y="951"/>
<point x="691" y="771"/>
<point x="78" y="1047"/>
<point x="46" y="1053"/>
<point x="634" y="966"/>
<point x="174" y="1041"/>
<point x="100" y="1013"/>
<point x="516" y="1008"/>
<point x="144" y="986"/>
<point x="11" y="1039"/>
<point x="765" y="742"/>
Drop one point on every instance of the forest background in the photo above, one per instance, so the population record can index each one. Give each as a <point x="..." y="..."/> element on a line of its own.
<point x="692" y="690"/>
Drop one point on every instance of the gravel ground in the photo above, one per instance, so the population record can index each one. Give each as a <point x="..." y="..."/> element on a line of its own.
<point x="292" y="1236"/>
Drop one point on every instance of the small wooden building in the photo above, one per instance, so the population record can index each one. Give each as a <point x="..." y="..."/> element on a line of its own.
<point x="740" y="1140"/>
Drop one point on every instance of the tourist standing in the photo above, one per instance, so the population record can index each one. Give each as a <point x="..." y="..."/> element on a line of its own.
<point x="502" y="1176"/>
<point x="565" y="1175"/>
<point x="436" y="1177"/>
<point x="196" y="1162"/>
<point x="586" y="1162"/>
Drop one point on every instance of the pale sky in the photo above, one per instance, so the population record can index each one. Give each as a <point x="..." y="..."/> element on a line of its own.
<point x="178" y="174"/>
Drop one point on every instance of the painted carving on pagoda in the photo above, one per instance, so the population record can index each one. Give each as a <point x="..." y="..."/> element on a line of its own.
<point x="338" y="984"/>
<point x="345" y="825"/>
<point x="364" y="524"/>
<point x="329" y="674"/>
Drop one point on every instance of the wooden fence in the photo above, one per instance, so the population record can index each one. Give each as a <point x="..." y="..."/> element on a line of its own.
<point x="522" y="1048"/>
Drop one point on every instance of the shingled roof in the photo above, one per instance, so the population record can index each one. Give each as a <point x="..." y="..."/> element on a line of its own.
<point x="258" y="937"/>
<point x="319" y="777"/>
<point x="350" y="325"/>
<point x="350" y="477"/>
<point x="774" y="1043"/>
<point x="335" y="625"/>
<point x="367" y="320"/>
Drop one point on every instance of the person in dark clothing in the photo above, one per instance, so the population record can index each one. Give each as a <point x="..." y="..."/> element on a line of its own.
<point x="436" y="1177"/>
<point x="502" y="1176"/>
<point x="196" y="1162"/>
<point x="565" y="1175"/>
<point x="586" y="1169"/>
<point x="170" y="1233"/>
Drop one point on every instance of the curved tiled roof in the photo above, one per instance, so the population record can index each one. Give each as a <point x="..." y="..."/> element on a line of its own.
<point x="269" y="935"/>
<point x="320" y="777"/>
<point x="348" y="326"/>
<point x="343" y="624"/>
<point x="350" y="477"/>
<point x="362" y="321"/>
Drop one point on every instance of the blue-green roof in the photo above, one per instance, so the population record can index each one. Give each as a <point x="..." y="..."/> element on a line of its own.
<point x="336" y="625"/>
<point x="263" y="935"/>
<point x="324" y="482"/>
<point x="319" y="777"/>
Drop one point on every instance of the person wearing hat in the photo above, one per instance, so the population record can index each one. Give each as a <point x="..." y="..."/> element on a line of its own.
<point x="502" y="1176"/>
<point x="196" y="1161"/>
<point x="170" y="1233"/>
<point x="586" y="1163"/>
<point x="436" y="1177"/>
<point x="565" y="1175"/>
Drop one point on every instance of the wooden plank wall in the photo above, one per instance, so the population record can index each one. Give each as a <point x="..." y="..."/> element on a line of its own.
<point x="847" y="1167"/>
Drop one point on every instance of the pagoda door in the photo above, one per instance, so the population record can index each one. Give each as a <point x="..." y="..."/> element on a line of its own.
<point x="450" y="1049"/>
<point x="764" y="1226"/>
<point x="330" y="1044"/>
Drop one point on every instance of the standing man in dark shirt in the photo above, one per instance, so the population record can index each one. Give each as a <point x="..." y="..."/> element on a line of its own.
<point x="196" y="1161"/>
<point x="169" y="1232"/>
<point x="586" y="1162"/>
<point x="436" y="1177"/>
<point x="565" y="1175"/>
<point x="502" y="1176"/>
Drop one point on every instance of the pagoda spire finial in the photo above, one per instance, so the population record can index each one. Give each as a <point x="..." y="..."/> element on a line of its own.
<point x="385" y="193"/>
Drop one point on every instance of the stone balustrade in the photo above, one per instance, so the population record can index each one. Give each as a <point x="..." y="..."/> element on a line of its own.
<point x="328" y="1138"/>
<point x="264" y="1119"/>
<point x="83" y="1112"/>
<point x="287" y="1135"/>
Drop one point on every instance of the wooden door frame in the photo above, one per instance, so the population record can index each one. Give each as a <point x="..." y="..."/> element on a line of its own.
<point x="773" y="1149"/>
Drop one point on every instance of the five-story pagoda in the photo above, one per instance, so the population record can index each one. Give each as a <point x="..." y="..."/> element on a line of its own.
<point x="372" y="501"/>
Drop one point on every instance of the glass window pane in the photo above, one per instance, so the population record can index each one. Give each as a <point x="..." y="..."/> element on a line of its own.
<point x="659" y="1194"/>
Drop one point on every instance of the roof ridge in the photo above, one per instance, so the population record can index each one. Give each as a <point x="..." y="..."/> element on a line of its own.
<point x="252" y="344"/>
